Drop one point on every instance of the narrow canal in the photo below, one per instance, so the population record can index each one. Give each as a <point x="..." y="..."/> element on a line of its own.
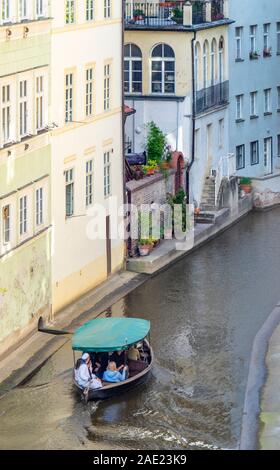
<point x="205" y="312"/>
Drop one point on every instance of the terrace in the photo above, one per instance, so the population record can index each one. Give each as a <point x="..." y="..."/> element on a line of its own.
<point x="173" y="14"/>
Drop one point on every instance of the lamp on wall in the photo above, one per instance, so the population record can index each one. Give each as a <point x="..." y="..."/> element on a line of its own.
<point x="8" y="33"/>
<point x="25" y="31"/>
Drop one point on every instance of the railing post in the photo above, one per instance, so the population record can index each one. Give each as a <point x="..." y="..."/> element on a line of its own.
<point x="208" y="12"/>
<point x="187" y="8"/>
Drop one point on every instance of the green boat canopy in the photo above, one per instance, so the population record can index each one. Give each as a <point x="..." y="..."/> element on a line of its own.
<point x="110" y="334"/>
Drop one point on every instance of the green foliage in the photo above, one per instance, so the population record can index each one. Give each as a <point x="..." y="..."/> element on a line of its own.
<point x="245" y="181"/>
<point x="178" y="199"/>
<point x="146" y="242"/>
<point x="156" y="143"/>
<point x="138" y="12"/>
<point x="177" y="13"/>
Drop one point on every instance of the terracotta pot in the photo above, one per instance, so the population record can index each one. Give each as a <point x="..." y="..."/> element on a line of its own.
<point x="144" y="250"/>
<point x="150" y="172"/>
<point x="165" y="165"/>
<point x="247" y="188"/>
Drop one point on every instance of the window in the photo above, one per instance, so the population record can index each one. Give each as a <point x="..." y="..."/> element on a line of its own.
<point x="6" y="216"/>
<point x="267" y="101"/>
<point x="6" y="11"/>
<point x="69" y="81"/>
<point x="278" y="98"/>
<point x="254" y="151"/>
<point x="39" y="103"/>
<point x="39" y="8"/>
<point x="253" y="39"/>
<point x="266" y="41"/>
<point x="205" y="64"/>
<point x="69" y="192"/>
<point x="221" y="60"/>
<point x="107" y="174"/>
<point x="6" y="113"/>
<point x="221" y="133"/>
<point x="278" y="145"/>
<point x="197" y="143"/>
<point x="89" y="183"/>
<point x="90" y="10"/>
<point x="23" y="108"/>
<point x="89" y="91"/>
<point x="278" y="37"/>
<point x="196" y="65"/>
<point x="238" y="43"/>
<point x="23" y="215"/>
<point x="39" y="206"/>
<point x="70" y="16"/>
<point x="253" y="104"/>
<point x="239" y="107"/>
<point x="132" y="69"/>
<point x="213" y="62"/>
<point x="163" y="69"/>
<point x="23" y="9"/>
<point x="107" y="86"/>
<point x="240" y="157"/>
<point x="107" y="8"/>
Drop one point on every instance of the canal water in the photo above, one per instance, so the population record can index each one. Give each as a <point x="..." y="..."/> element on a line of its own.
<point x="205" y="312"/>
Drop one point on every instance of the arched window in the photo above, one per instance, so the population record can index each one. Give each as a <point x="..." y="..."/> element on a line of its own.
<point x="196" y="65"/>
<point x="205" y="63"/>
<point x="221" y="60"/>
<point x="132" y="69"/>
<point x="163" y="69"/>
<point x="213" y="61"/>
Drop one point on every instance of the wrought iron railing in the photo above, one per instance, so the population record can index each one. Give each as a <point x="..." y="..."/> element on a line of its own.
<point x="215" y="95"/>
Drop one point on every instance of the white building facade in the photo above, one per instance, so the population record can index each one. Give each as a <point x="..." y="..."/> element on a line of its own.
<point x="87" y="156"/>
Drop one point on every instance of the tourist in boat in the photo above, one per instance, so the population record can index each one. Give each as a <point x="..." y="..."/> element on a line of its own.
<point x="95" y="362"/>
<point x="119" y="358"/>
<point x="113" y="375"/>
<point x="84" y="376"/>
<point x="133" y="353"/>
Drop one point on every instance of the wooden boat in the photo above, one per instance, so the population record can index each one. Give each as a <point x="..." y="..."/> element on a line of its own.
<point x="110" y="335"/>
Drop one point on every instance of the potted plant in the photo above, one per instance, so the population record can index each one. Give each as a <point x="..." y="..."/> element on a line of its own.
<point x="177" y="15"/>
<point x="150" y="168"/>
<point x="267" y="52"/>
<point x="246" y="185"/>
<point x="138" y="15"/>
<point x="254" y="55"/>
<point x="156" y="143"/>
<point x="145" y="246"/>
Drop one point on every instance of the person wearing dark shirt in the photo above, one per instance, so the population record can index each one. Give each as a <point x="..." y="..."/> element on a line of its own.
<point x="119" y="358"/>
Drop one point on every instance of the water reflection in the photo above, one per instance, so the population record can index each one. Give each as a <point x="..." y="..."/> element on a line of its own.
<point x="205" y="312"/>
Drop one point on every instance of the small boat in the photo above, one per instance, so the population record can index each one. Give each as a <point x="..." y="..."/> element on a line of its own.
<point x="110" y="335"/>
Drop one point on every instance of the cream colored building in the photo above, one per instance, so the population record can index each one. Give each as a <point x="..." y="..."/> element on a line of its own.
<point x="87" y="156"/>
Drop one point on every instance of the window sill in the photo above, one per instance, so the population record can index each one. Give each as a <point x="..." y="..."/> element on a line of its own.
<point x="255" y="163"/>
<point x="269" y="113"/>
<point x="239" y="120"/>
<point x="254" y="116"/>
<point x="254" y="57"/>
<point x="239" y="60"/>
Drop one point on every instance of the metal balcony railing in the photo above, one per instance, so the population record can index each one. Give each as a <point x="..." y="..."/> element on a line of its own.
<point x="207" y="98"/>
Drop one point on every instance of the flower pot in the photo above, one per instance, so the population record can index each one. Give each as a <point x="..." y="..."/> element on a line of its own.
<point x="144" y="250"/>
<point x="150" y="172"/>
<point x="247" y="188"/>
<point x="165" y="165"/>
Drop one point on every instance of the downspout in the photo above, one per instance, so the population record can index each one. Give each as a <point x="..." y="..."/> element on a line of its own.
<point x="193" y="124"/>
<point x="123" y="118"/>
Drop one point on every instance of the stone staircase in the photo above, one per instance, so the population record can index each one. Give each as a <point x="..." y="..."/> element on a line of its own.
<point x="208" y="202"/>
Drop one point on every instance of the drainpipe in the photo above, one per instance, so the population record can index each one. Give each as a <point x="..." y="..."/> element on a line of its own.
<point x="123" y="117"/>
<point x="193" y="123"/>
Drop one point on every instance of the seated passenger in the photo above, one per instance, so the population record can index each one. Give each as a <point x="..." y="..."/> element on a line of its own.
<point x="119" y="358"/>
<point x="133" y="353"/>
<point x="113" y="375"/>
<point x="95" y="362"/>
<point x="84" y="376"/>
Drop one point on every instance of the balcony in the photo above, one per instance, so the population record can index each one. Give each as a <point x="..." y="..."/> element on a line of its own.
<point x="172" y="14"/>
<point x="211" y="97"/>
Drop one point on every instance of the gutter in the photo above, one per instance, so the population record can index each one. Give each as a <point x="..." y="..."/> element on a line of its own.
<point x="193" y="123"/>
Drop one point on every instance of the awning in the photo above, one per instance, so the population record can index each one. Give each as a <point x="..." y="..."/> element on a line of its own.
<point x="109" y="334"/>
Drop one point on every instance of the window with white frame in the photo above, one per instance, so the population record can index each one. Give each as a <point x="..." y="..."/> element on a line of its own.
<point x="23" y="9"/>
<point x="89" y="91"/>
<point x="39" y="103"/>
<point x="107" y="174"/>
<point x="253" y="104"/>
<point x="69" y="192"/>
<point x="197" y="143"/>
<point x="266" y="41"/>
<point x="238" y="42"/>
<point x="221" y="133"/>
<point x="278" y="98"/>
<point x="89" y="10"/>
<point x="163" y="69"/>
<point x="89" y="183"/>
<point x="69" y="84"/>
<point x="221" y="60"/>
<point x="278" y="37"/>
<point x="267" y="100"/>
<point x="239" y="107"/>
<point x="39" y="206"/>
<point x="23" y="127"/>
<point x="6" y="11"/>
<point x="254" y="151"/>
<point x="6" y="223"/>
<point x="213" y="61"/>
<point x="205" y="64"/>
<point x="132" y="69"/>
<point x="107" y="8"/>
<point x="278" y="145"/>
<point x="70" y="16"/>
<point x="6" y="113"/>
<point x="253" y="39"/>
<point x="107" y="86"/>
<point x="23" y="215"/>
<point x="240" y="157"/>
<point x="40" y="8"/>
